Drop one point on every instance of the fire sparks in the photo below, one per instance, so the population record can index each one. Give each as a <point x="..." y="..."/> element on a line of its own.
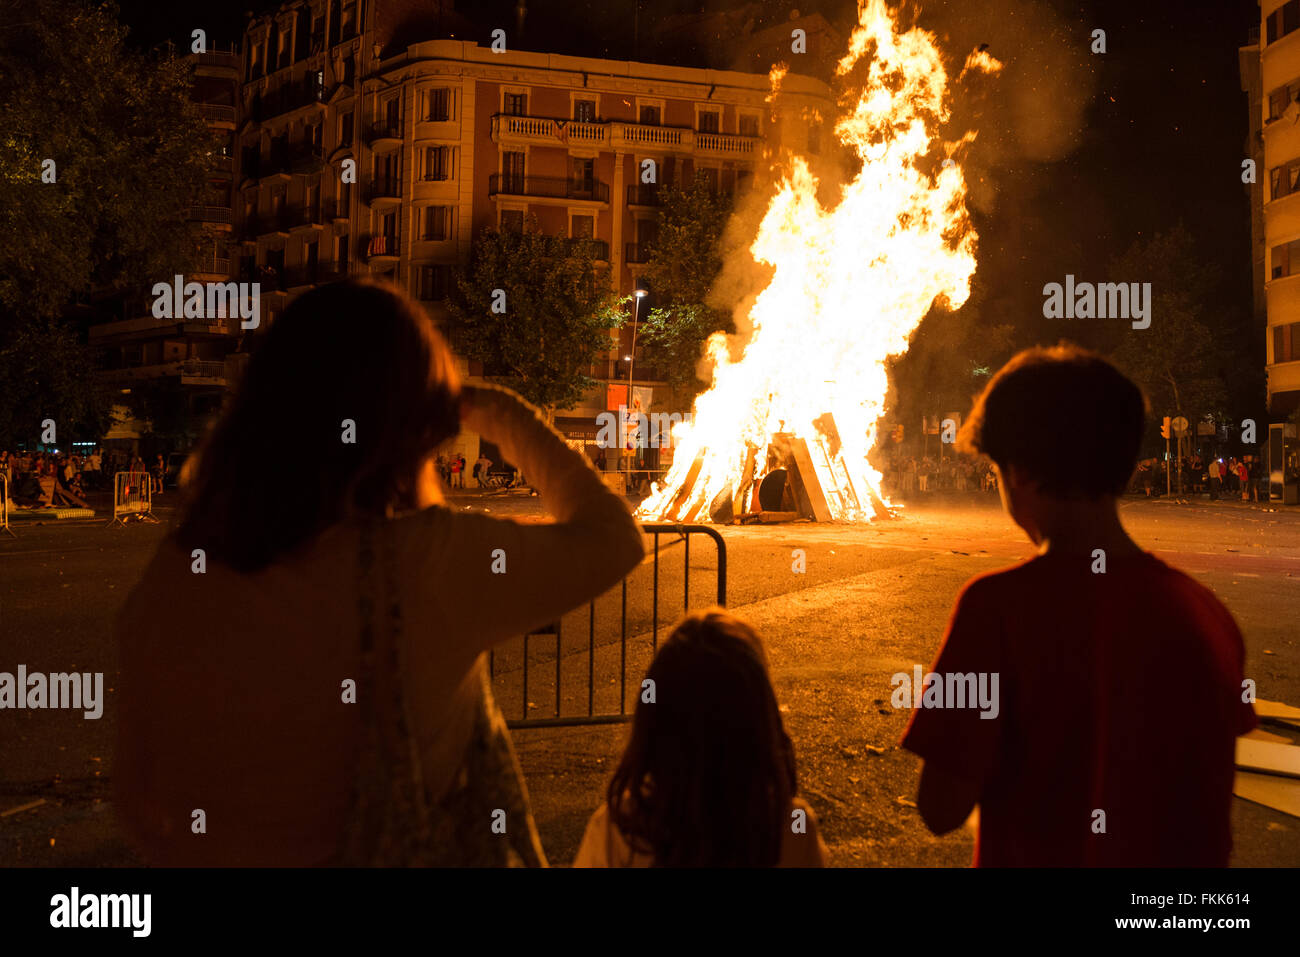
<point x="851" y="283"/>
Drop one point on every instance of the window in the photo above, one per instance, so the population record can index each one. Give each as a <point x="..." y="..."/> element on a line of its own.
<point x="437" y="163"/>
<point x="439" y="105"/>
<point x="512" y="219"/>
<point x="349" y="70"/>
<point x="516" y="104"/>
<point x="512" y="172"/>
<point x="392" y="114"/>
<point x="748" y="124"/>
<point x="649" y="115"/>
<point x="342" y="251"/>
<point x="345" y="129"/>
<point x="434" y="282"/>
<point x="584" y="227"/>
<point x="709" y="176"/>
<point x="709" y="120"/>
<point x="584" y="174"/>
<point x="1284" y="20"/>
<point x="1284" y="260"/>
<point x="584" y="111"/>
<point x="1281" y="98"/>
<point x="1284" y="180"/>
<point x="437" y="222"/>
<point x="1286" y="342"/>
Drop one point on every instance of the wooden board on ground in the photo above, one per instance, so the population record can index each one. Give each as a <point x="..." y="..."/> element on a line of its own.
<point x="769" y="518"/>
<point x="1258" y="735"/>
<point x="1268" y="757"/>
<point x="1276" y="709"/>
<point x="1280" y="794"/>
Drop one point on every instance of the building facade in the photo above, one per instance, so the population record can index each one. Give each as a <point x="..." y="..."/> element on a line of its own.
<point x="1278" y="80"/>
<point x="377" y="137"/>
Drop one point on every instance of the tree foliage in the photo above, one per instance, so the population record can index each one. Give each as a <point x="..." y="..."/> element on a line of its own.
<point x="685" y="260"/>
<point x="1176" y="360"/>
<point x="130" y="154"/>
<point x="554" y="308"/>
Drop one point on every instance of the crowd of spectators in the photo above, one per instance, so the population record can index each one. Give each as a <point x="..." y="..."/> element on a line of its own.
<point x="62" y="479"/>
<point x="908" y="475"/>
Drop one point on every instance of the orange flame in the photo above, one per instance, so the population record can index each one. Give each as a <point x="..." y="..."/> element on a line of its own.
<point x="851" y="283"/>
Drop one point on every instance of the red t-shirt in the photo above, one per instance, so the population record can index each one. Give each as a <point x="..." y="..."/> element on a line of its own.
<point x="1118" y="691"/>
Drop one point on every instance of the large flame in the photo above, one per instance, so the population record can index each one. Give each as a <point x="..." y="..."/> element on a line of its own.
<point x="851" y="282"/>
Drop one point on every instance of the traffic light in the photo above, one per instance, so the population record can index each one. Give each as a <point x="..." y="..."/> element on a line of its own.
<point x="1164" y="428"/>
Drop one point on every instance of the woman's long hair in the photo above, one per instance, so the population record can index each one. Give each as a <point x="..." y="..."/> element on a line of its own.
<point x="344" y="397"/>
<point x="708" y="775"/>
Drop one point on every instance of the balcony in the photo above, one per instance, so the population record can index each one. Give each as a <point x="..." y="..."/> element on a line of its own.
<point x="287" y="99"/>
<point x="339" y="210"/>
<point x="644" y="195"/>
<point x="723" y="144"/>
<point x="548" y="187"/>
<point x="217" y="114"/>
<point x="306" y="217"/>
<point x="218" y="215"/>
<point x="383" y="136"/>
<point x="511" y="130"/>
<point x="269" y="223"/>
<point x="384" y="191"/>
<point x="382" y="247"/>
<point x="637" y="253"/>
<point x="218" y="163"/>
<point x="304" y="158"/>
<point x="213" y="266"/>
<point x="216" y="63"/>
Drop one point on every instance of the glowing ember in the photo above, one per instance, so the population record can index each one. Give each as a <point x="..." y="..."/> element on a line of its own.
<point x="851" y="283"/>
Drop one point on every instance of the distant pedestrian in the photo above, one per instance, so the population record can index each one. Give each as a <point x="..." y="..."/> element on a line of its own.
<point x="481" y="467"/>
<point x="457" y="464"/>
<point x="1215" y="480"/>
<point x="1243" y="477"/>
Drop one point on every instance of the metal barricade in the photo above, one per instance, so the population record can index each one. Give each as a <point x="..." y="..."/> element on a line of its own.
<point x="623" y="644"/>
<point x="132" y="495"/>
<point x="4" y="506"/>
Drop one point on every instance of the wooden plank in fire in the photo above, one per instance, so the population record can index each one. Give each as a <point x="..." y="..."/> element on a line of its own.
<point x="684" y="490"/>
<point x="746" y="481"/>
<point x="803" y="477"/>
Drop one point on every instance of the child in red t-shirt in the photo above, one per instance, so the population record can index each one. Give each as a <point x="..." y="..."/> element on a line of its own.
<point x="1119" y="678"/>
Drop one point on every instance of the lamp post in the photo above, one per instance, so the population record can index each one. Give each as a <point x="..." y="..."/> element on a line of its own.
<point x="640" y="292"/>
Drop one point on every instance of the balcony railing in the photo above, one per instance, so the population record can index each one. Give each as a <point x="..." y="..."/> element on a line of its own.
<point x="637" y="253"/>
<point x="226" y="59"/>
<point x="221" y="164"/>
<point x="217" y="113"/>
<point x="305" y="158"/>
<point x="203" y="368"/>
<point x="270" y="223"/>
<point x="383" y="130"/>
<point x="725" y="143"/>
<point x="643" y="195"/>
<point x="384" y="188"/>
<point x="305" y="216"/>
<point x="211" y="214"/>
<point x="555" y="187"/>
<point x="213" y="267"/>
<point x="287" y="98"/>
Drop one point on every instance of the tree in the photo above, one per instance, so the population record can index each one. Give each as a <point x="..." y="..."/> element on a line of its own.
<point x="101" y="154"/>
<point x="1176" y="360"/>
<point x="685" y="260"/>
<point x="535" y="310"/>
<point x="45" y="373"/>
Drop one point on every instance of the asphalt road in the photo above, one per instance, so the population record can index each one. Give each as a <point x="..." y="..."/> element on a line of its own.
<point x="873" y="601"/>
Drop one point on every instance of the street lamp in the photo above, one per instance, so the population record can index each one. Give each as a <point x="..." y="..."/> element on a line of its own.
<point x="640" y="292"/>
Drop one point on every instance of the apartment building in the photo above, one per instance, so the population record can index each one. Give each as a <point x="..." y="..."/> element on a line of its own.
<point x="371" y="141"/>
<point x="196" y="354"/>
<point x="1278" y="51"/>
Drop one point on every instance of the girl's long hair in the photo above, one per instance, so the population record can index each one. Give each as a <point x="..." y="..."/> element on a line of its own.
<point x="343" y="398"/>
<point x="708" y="775"/>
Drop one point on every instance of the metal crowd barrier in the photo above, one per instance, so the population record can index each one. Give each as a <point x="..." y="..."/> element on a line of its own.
<point x="132" y="495"/>
<point x="4" y="506"/>
<point x="610" y="652"/>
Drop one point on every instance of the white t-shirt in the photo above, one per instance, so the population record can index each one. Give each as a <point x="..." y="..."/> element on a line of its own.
<point x="603" y="845"/>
